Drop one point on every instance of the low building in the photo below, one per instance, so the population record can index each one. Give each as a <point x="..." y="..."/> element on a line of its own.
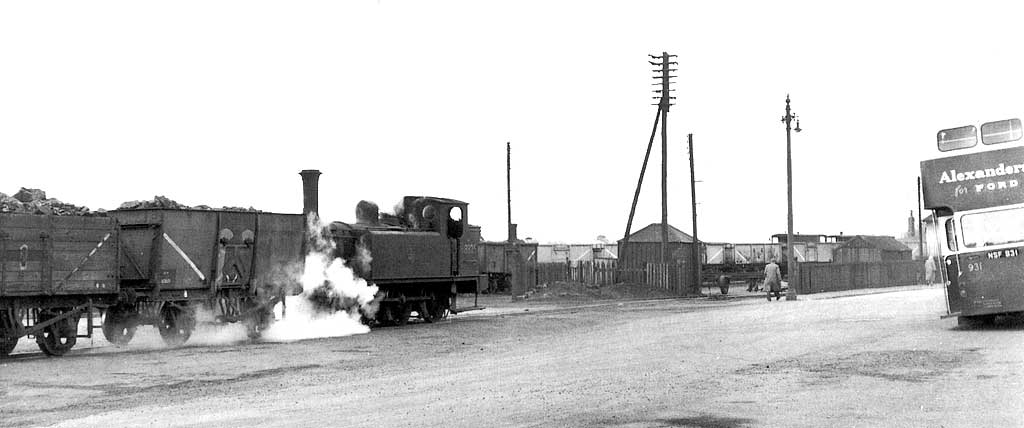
<point x="871" y="248"/>
<point x="644" y="246"/>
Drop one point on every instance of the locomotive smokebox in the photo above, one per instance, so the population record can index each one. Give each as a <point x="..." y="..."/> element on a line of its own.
<point x="310" y="190"/>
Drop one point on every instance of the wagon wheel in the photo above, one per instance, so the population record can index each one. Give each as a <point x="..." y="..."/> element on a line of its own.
<point x="118" y="326"/>
<point x="118" y="333"/>
<point x="258" y="321"/>
<point x="176" y="325"/>
<point x="58" y="338"/>
<point x="7" y="344"/>
<point x="10" y="330"/>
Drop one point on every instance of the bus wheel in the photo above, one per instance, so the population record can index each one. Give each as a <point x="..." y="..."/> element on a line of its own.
<point x="58" y="338"/>
<point x="176" y="325"/>
<point x="975" y="321"/>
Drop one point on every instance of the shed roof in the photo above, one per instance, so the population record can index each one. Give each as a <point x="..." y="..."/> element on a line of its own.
<point x="884" y="243"/>
<point x="652" y="233"/>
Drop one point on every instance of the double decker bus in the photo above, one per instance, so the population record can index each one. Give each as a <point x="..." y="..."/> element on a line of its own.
<point x="977" y="200"/>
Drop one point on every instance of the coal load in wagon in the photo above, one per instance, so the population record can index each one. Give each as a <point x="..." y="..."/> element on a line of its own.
<point x="163" y="202"/>
<point x="34" y="201"/>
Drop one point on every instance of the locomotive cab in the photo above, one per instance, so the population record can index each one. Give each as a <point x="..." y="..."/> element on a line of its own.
<point x="445" y="216"/>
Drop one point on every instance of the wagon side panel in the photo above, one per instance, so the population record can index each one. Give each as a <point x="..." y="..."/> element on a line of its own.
<point x="278" y="251"/>
<point x="50" y="255"/>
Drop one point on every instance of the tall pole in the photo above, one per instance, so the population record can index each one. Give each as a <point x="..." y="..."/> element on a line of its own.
<point x="664" y="156"/>
<point x="508" y="188"/>
<point x="920" y="222"/>
<point x="791" y="262"/>
<point x="695" y="288"/>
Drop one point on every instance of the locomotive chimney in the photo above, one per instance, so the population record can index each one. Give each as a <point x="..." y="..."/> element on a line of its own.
<point x="310" y="190"/>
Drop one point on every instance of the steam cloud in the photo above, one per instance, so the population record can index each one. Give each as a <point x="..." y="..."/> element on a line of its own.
<point x="333" y="298"/>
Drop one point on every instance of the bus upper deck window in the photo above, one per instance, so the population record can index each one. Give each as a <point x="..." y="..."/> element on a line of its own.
<point x="1002" y="131"/>
<point x="950" y="235"/>
<point x="957" y="138"/>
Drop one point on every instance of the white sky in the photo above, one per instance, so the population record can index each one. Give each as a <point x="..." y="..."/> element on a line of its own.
<point x="223" y="103"/>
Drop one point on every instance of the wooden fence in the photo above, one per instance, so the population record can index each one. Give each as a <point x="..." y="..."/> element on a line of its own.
<point x="814" y="277"/>
<point x="603" y="273"/>
<point x="824" y="277"/>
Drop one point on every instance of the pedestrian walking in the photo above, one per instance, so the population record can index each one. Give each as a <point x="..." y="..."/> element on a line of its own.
<point x="929" y="270"/>
<point x="773" y="280"/>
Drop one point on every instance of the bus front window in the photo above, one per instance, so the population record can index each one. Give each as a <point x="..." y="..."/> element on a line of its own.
<point x="993" y="228"/>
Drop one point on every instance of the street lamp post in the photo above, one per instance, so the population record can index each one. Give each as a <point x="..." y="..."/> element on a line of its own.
<point x="790" y="260"/>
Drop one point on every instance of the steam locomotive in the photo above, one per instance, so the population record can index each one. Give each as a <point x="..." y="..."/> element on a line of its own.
<point x="416" y="257"/>
<point x="159" y="266"/>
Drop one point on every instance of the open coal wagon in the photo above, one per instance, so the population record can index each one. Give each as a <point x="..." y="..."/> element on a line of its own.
<point x="53" y="271"/>
<point x="233" y="264"/>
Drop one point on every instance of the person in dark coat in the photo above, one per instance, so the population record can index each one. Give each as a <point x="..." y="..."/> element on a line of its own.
<point x="773" y="280"/>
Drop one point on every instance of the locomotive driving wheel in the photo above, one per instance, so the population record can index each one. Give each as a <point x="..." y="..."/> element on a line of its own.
<point x="119" y="325"/>
<point x="433" y="309"/>
<point x="402" y="314"/>
<point x="176" y="324"/>
<point x="58" y="338"/>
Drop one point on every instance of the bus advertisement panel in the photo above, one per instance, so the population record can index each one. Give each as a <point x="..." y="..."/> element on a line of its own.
<point x="973" y="181"/>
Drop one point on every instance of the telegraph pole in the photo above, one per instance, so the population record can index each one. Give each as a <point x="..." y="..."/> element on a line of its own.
<point x="662" y="117"/>
<point x="920" y="223"/>
<point x="508" y="189"/>
<point x="790" y="260"/>
<point x="664" y="106"/>
<point x="695" y="289"/>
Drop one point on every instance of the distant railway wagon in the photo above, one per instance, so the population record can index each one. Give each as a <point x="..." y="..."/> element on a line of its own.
<point x="746" y="261"/>
<point x="504" y="262"/>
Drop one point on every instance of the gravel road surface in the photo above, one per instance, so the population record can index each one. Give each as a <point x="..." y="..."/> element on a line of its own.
<point x="872" y="360"/>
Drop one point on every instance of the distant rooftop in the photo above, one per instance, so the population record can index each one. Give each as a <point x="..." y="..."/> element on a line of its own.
<point x="652" y="233"/>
